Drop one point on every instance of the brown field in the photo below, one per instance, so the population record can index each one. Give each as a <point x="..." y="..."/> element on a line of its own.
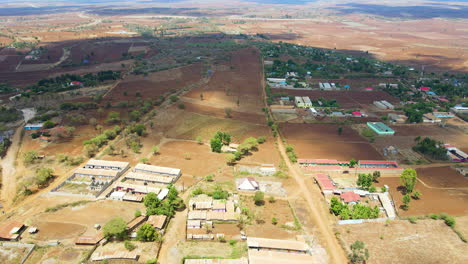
<point x="58" y="230"/>
<point x="403" y="242"/>
<point x="444" y="177"/>
<point x="238" y="80"/>
<point x="321" y="141"/>
<point x="433" y="200"/>
<point x="155" y="84"/>
<point x="262" y="226"/>
<point x="98" y="52"/>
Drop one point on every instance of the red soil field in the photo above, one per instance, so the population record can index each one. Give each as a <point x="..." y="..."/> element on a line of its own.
<point x="155" y="84"/>
<point x="51" y="55"/>
<point x="450" y="201"/>
<point x="321" y="141"/>
<point x="98" y="52"/>
<point x="220" y="113"/>
<point x="442" y="177"/>
<point x="236" y="80"/>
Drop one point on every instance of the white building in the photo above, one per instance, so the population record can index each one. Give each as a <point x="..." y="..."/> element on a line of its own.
<point x="248" y="184"/>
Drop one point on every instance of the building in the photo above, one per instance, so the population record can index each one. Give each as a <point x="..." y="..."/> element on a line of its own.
<point x="89" y="240"/>
<point x="299" y="102"/>
<point x="380" y="128"/>
<point x="287" y="246"/>
<point x="424" y="89"/>
<point x="350" y="197"/>
<point x="275" y="257"/>
<point x="150" y="178"/>
<point x="377" y="164"/>
<point x="459" y="109"/>
<point x="11" y="230"/>
<point x="397" y="118"/>
<point x="157" y="221"/>
<point x="277" y="80"/>
<point x="455" y="154"/>
<point x="430" y="118"/>
<point x="216" y="261"/>
<point x="144" y="168"/>
<point x="307" y="102"/>
<point x="107" y="165"/>
<point x="136" y="222"/>
<point x="248" y="184"/>
<point x="443" y="114"/>
<point x="357" y="114"/>
<point x="388" y="105"/>
<point x="97" y="173"/>
<point x="33" y="126"/>
<point x="327" y="162"/>
<point x="325" y="184"/>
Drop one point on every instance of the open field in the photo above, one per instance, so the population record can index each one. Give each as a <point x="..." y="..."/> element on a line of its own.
<point x="433" y="200"/>
<point x="444" y="177"/>
<point x="403" y="242"/>
<point x="321" y="141"/>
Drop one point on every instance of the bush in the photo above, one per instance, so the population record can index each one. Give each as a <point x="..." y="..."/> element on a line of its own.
<point x="433" y="216"/>
<point x="115" y="228"/>
<point x="259" y="198"/>
<point x="147" y="233"/>
<point x="274" y="220"/>
<point x="181" y="106"/>
<point x="412" y="219"/>
<point x="261" y="139"/>
<point x="129" y="246"/>
<point x="137" y="213"/>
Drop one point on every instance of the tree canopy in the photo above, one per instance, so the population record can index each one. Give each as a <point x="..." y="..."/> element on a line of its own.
<point x="408" y="179"/>
<point x="115" y="228"/>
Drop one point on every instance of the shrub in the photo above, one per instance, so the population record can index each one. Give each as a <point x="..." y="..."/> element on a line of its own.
<point x="261" y="139"/>
<point x="259" y="198"/>
<point x="274" y="220"/>
<point x="129" y="246"/>
<point x="137" y="213"/>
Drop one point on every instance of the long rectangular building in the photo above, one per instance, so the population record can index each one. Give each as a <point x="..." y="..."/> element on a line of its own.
<point x="144" y="168"/>
<point x="153" y="178"/>
<point x="101" y="173"/>
<point x="106" y="165"/>
<point x="277" y="245"/>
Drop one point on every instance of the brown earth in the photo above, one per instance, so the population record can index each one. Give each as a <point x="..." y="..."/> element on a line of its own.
<point x="450" y="201"/>
<point x="321" y="141"/>
<point x="445" y="177"/>
<point x="403" y="242"/>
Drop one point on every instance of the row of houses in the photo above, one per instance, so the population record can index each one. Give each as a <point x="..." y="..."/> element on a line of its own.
<point x="455" y="154"/>
<point x="363" y="166"/>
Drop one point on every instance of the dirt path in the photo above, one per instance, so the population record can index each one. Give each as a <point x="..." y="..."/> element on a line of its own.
<point x="313" y="198"/>
<point x="9" y="170"/>
<point x="335" y="251"/>
<point x="169" y="254"/>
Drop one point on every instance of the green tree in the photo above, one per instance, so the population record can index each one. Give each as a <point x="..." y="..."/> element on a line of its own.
<point x="408" y="179"/>
<point x="43" y="176"/>
<point x="139" y="129"/>
<point x="274" y="220"/>
<point x="364" y="180"/>
<point x="417" y="195"/>
<point x="340" y="130"/>
<point x="259" y="198"/>
<point x="352" y="163"/>
<point x="137" y="213"/>
<point x="359" y="252"/>
<point x="230" y="158"/>
<point x="115" y="228"/>
<point x="261" y="139"/>
<point x="48" y="124"/>
<point x="406" y="201"/>
<point x="129" y="245"/>
<point x="147" y="233"/>
<point x="155" y="150"/>
<point x="375" y="176"/>
<point x="30" y="157"/>
<point x="113" y="117"/>
<point x="216" y="145"/>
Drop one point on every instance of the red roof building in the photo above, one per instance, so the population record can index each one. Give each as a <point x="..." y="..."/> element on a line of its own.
<point x="424" y="89"/>
<point x="350" y="197"/>
<point x="369" y="89"/>
<point x="444" y="100"/>
<point x="324" y="182"/>
<point x="76" y="83"/>
<point x="356" y="113"/>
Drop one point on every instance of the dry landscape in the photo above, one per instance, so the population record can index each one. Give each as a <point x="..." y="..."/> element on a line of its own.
<point x="167" y="131"/>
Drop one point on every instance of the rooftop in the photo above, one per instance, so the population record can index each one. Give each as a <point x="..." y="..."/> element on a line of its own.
<point x="350" y="197"/>
<point x="274" y="257"/>
<point x="97" y="172"/>
<point x="10" y="230"/>
<point x="380" y="127"/>
<point x="157" y="169"/>
<point x="107" y="163"/>
<point x="255" y="242"/>
<point x="157" y="221"/>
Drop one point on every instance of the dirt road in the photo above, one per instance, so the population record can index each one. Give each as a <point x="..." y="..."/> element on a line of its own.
<point x="9" y="170"/>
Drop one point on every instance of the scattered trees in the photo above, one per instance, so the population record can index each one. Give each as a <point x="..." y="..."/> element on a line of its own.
<point x="431" y="148"/>
<point x="220" y="139"/>
<point x="291" y="154"/>
<point x="406" y="201"/>
<point x="43" y="176"/>
<point x="167" y="207"/>
<point x="30" y="157"/>
<point x="357" y="211"/>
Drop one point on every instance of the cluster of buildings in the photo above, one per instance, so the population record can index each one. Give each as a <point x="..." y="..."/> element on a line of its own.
<point x="96" y="174"/>
<point x="204" y="211"/>
<point x="362" y="166"/>
<point x="302" y="101"/>
<point x="327" y="86"/>
<point x="353" y="196"/>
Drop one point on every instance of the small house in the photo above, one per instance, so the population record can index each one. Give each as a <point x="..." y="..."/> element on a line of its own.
<point x="248" y="184"/>
<point x="350" y="197"/>
<point x="33" y="126"/>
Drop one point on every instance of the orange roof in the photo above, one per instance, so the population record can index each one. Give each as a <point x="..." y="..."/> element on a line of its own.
<point x="89" y="240"/>
<point x="157" y="221"/>
<point x="350" y="197"/>
<point x="10" y="230"/>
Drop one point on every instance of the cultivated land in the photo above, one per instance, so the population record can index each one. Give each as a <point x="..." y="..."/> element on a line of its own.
<point x="155" y="84"/>
<point x="322" y="141"/>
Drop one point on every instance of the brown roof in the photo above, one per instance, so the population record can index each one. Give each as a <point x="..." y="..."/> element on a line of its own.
<point x="135" y="222"/>
<point x="9" y="231"/>
<point x="89" y="240"/>
<point x="157" y="221"/>
<point x="255" y="242"/>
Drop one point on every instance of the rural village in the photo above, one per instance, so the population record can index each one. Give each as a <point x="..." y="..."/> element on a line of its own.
<point x="125" y="142"/>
